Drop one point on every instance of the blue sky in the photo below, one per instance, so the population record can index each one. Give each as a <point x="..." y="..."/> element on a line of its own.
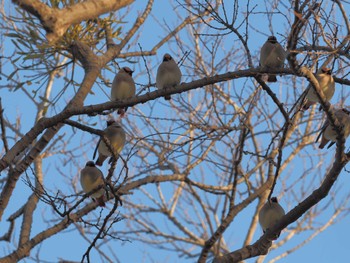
<point x="328" y="246"/>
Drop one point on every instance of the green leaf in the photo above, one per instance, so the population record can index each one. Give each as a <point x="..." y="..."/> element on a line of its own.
<point x="12" y="35"/>
<point x="12" y="74"/>
<point x="19" y="85"/>
<point x="33" y="56"/>
<point x="15" y="43"/>
<point x="44" y="99"/>
<point x="24" y="43"/>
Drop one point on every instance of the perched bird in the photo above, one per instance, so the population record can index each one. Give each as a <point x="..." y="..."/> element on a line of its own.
<point x="270" y="213"/>
<point x="123" y="87"/>
<point x="327" y="85"/>
<point x="116" y="136"/>
<point x="329" y="134"/>
<point x="168" y="74"/>
<point x="272" y="56"/>
<point x="90" y="178"/>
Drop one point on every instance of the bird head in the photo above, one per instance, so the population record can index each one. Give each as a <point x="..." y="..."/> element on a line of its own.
<point x="90" y="164"/>
<point x="274" y="200"/>
<point x="346" y="111"/>
<point x="126" y="70"/>
<point x="167" y="57"/>
<point x="327" y="71"/>
<point x="113" y="123"/>
<point x="110" y="122"/>
<point x="272" y="39"/>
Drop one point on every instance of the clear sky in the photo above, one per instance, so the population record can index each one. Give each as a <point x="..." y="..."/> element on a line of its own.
<point x="328" y="246"/>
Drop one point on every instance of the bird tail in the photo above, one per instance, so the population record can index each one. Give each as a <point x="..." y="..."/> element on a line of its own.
<point x="112" y="159"/>
<point x="272" y="78"/>
<point x="323" y="143"/>
<point x="101" y="159"/>
<point x="307" y="104"/>
<point x="121" y="112"/>
<point x="277" y="236"/>
<point x="100" y="201"/>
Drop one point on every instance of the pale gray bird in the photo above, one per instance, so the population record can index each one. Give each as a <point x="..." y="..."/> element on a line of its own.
<point x="329" y="134"/>
<point x="168" y="74"/>
<point x="91" y="178"/>
<point x="327" y="85"/>
<point x="123" y="87"/>
<point x="270" y="214"/>
<point x="272" y="56"/>
<point x="116" y="136"/>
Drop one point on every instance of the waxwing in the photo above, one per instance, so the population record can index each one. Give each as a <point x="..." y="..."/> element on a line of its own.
<point x="329" y="134"/>
<point x="270" y="213"/>
<point x="168" y="74"/>
<point x="91" y="178"/>
<point x="272" y="56"/>
<point x="327" y="85"/>
<point x="123" y="87"/>
<point x="116" y="136"/>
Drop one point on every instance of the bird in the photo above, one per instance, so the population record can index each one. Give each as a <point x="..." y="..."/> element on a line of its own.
<point x="270" y="214"/>
<point x="91" y="178"/>
<point x="123" y="87"/>
<point x="329" y="134"/>
<point x="272" y="56"/>
<point x="168" y="74"/>
<point x="327" y="85"/>
<point x="116" y="136"/>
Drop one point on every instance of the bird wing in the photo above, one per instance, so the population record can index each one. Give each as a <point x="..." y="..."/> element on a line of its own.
<point x="325" y="125"/>
<point x="93" y="157"/>
<point x="330" y="145"/>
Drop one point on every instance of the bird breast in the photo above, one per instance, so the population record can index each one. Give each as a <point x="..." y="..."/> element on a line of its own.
<point x="91" y="180"/>
<point x="116" y="138"/>
<point x="168" y="79"/>
<point x="326" y="84"/>
<point x="272" y="56"/>
<point x="168" y="75"/>
<point x="123" y="88"/>
<point x="270" y="215"/>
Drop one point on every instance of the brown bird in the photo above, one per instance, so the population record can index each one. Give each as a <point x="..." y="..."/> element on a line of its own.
<point x="329" y="134"/>
<point x="327" y="85"/>
<point x="91" y="178"/>
<point x="116" y="136"/>
<point x="123" y="87"/>
<point x="270" y="214"/>
<point x="272" y="56"/>
<point x="168" y="74"/>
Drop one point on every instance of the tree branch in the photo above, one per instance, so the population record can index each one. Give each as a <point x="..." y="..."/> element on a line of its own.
<point x="56" y="21"/>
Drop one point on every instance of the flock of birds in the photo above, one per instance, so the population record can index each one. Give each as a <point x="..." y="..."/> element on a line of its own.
<point x="123" y="87"/>
<point x="272" y="56"/>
